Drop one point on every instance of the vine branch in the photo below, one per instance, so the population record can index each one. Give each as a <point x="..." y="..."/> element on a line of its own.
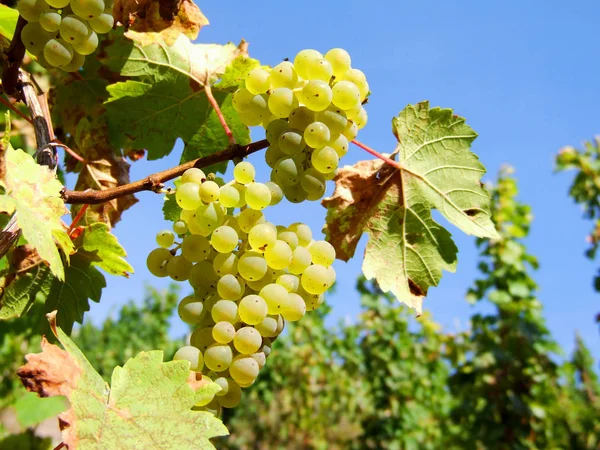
<point x="155" y="181"/>
<point x="13" y="58"/>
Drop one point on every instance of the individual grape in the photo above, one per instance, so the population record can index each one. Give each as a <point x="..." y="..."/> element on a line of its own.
<point x="359" y="79"/>
<point x="223" y="383"/>
<point x="244" y="172"/>
<point x="252" y="309"/>
<point x="195" y="248"/>
<point x="273" y="154"/>
<point x="279" y="255"/>
<point x="202" y="275"/>
<point x="252" y="266"/>
<point x="304" y="60"/>
<point x="102" y="24"/>
<point x="275" y="296"/>
<point x="303" y="233"/>
<point x="157" y="262"/>
<point x="312" y="301"/>
<point x="294" y="309"/>
<point x="230" y="287"/>
<point x="256" y="111"/>
<point x="225" y="263"/>
<point x="180" y="227"/>
<point x="282" y="101"/>
<point x="312" y="181"/>
<point x="287" y="172"/>
<point x="224" y="310"/>
<point x="260" y="358"/>
<point x="248" y="218"/>
<point x="58" y="4"/>
<point x="209" y="192"/>
<point x="301" y="117"/>
<point x="26" y="4"/>
<point x="262" y="236"/>
<point x="192" y="355"/>
<point x="332" y="275"/>
<point x="258" y="196"/>
<point x="316" y="95"/>
<point x="34" y="37"/>
<point x="257" y="285"/>
<point x="58" y="52"/>
<point x="87" y="9"/>
<point x="322" y="252"/>
<point x="300" y="260"/>
<point x="276" y="193"/>
<point x="241" y="99"/>
<point x="334" y="118"/>
<point x="340" y="61"/>
<point x="76" y="63"/>
<point x="315" y="279"/>
<point x="258" y="81"/>
<point x="165" y="238"/>
<point x="202" y="338"/>
<point x="361" y="119"/>
<point x="224" y="239"/>
<point x="268" y="327"/>
<point x="229" y="196"/>
<point x="50" y="21"/>
<point x="275" y="129"/>
<point x="179" y="268"/>
<point x="233" y="396"/>
<point x="266" y="348"/>
<point x="289" y="281"/>
<point x="73" y="29"/>
<point x="247" y="340"/>
<point x="291" y="142"/>
<point x="218" y="357"/>
<point x="188" y="196"/>
<point x="319" y="70"/>
<point x="32" y="10"/>
<point x="207" y="218"/>
<point x="340" y="145"/>
<point x="317" y="135"/>
<point x="191" y="310"/>
<point x="241" y="190"/>
<point x="283" y="75"/>
<point x="351" y="131"/>
<point x="295" y="194"/>
<point x="345" y="95"/>
<point x="325" y="159"/>
<point x="193" y="175"/>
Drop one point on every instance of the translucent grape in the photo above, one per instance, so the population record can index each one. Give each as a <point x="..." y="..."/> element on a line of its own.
<point x="258" y="196"/>
<point x="87" y="9"/>
<point x="359" y="79"/>
<point x="57" y="52"/>
<point x="209" y="191"/>
<point x="287" y="171"/>
<point x="283" y="75"/>
<point x="192" y="355"/>
<point x="275" y="296"/>
<point x="193" y="175"/>
<point x="73" y="29"/>
<point x="304" y="60"/>
<point x="258" y="81"/>
<point x="58" y="4"/>
<point x="260" y="358"/>
<point x="165" y="238"/>
<point x="50" y="21"/>
<point x="340" y="145"/>
<point x="224" y="239"/>
<point x="351" y="131"/>
<point x="230" y="287"/>
<point x="291" y="142"/>
<point x="102" y="24"/>
<point x="276" y="193"/>
<point x="32" y="10"/>
<point x="300" y="260"/>
<point x="244" y="172"/>
<point x="202" y="275"/>
<point x="268" y="327"/>
<point x="76" y="63"/>
<point x="157" y="262"/>
<point x="319" y="70"/>
<point x="294" y="309"/>
<point x="202" y="338"/>
<point x="34" y="37"/>
<point x="279" y="255"/>
<point x="282" y="101"/>
<point x="325" y="159"/>
<point x="247" y="340"/>
<point x="317" y="135"/>
<point x="179" y="268"/>
<point x="252" y="309"/>
<point x="195" y="248"/>
<point x="332" y="275"/>
<point x="273" y="155"/>
<point x="262" y="236"/>
<point x="340" y="61"/>
<point x="179" y="227"/>
<point x="224" y="310"/>
<point x="301" y="117"/>
<point x="275" y="129"/>
<point x="229" y="196"/>
<point x="241" y="99"/>
<point x="207" y="218"/>
<point x="312" y="181"/>
<point x="256" y="111"/>
<point x="225" y="263"/>
<point x="248" y="218"/>
<point x="345" y="95"/>
<point x="334" y="118"/>
<point x="289" y="281"/>
<point x="252" y="266"/>
<point x="233" y="396"/>
<point x="361" y="119"/>
<point x="316" y="95"/>
<point x="223" y="384"/>
<point x="315" y="279"/>
<point x="191" y="310"/>
<point x="302" y="232"/>
<point x="294" y="194"/>
<point x="322" y="252"/>
<point x="242" y="190"/>
<point x="312" y="301"/>
<point x="188" y="196"/>
<point x="218" y="357"/>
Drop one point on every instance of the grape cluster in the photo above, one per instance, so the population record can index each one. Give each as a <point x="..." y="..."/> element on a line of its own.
<point x="310" y="109"/>
<point x="248" y="276"/>
<point x="61" y="33"/>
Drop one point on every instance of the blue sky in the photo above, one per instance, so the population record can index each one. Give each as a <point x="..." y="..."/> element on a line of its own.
<point x="523" y="74"/>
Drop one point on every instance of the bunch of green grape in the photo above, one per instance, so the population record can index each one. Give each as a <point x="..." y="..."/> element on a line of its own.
<point x="61" y="33"/>
<point x="248" y="276"/>
<point x="311" y="109"/>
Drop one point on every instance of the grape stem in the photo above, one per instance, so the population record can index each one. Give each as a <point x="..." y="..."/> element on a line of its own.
<point x="78" y="218"/>
<point x="217" y="108"/>
<point x="13" y="59"/>
<point x="155" y="181"/>
<point x="373" y="152"/>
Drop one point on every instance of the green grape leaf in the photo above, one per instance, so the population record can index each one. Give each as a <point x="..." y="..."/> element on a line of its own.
<point x="34" y="193"/>
<point x="97" y="244"/>
<point x="407" y="250"/>
<point x="32" y="410"/>
<point x="147" y="405"/>
<point x="167" y="101"/>
<point x="8" y="21"/>
<point x="19" y="294"/>
<point x="171" y="209"/>
<point x="236" y="72"/>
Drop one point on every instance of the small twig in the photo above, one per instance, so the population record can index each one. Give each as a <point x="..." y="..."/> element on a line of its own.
<point x="216" y="107"/>
<point x="152" y="182"/>
<point x="391" y="162"/>
<point x="59" y="446"/>
<point x="78" y="218"/>
<point x="70" y="151"/>
<point x="14" y="58"/>
<point x="16" y="110"/>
